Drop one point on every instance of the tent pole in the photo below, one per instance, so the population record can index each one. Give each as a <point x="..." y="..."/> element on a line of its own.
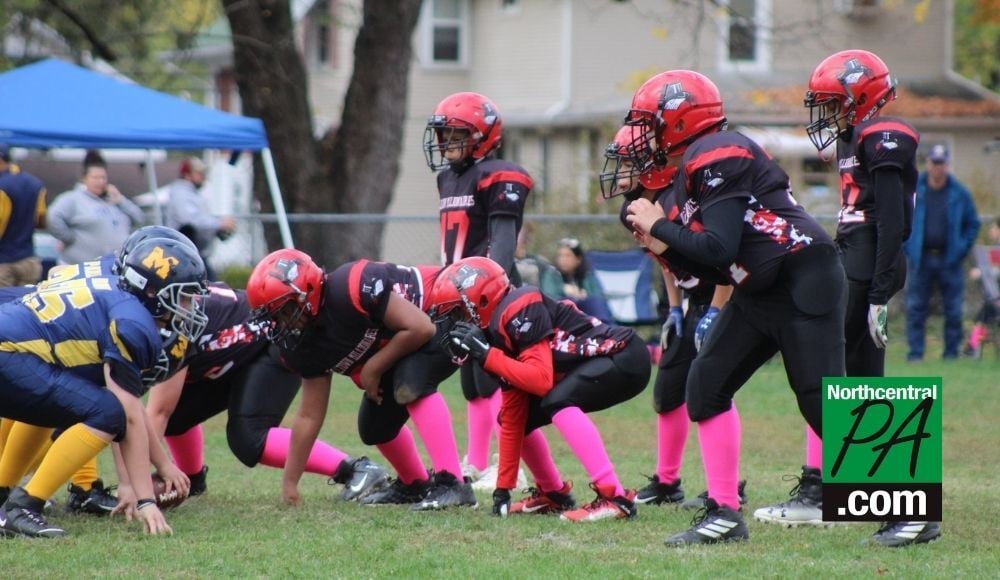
<point x="151" y="178"/>
<point x="279" y="204"/>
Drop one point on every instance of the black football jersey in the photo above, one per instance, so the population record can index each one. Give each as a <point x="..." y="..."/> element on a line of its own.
<point x="348" y="330"/>
<point x="469" y="199"/>
<point x="727" y="165"/>
<point x="526" y="316"/>
<point x="230" y="340"/>
<point x="879" y="142"/>
<point x="687" y="281"/>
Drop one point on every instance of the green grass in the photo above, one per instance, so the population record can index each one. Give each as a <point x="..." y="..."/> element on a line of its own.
<point x="240" y="529"/>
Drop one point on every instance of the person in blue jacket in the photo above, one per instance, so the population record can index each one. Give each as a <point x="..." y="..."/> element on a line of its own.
<point x="945" y="225"/>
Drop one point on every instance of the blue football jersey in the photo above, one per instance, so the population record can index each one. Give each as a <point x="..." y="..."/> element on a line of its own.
<point x="80" y="324"/>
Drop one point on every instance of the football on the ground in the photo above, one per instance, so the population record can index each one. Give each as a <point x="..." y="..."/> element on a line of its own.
<point x="166" y="500"/>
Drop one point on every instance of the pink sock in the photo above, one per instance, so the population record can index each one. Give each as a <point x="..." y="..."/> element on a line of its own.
<point x="323" y="459"/>
<point x="537" y="456"/>
<point x="187" y="450"/>
<point x="585" y="441"/>
<point x="402" y="454"/>
<point x="480" y="426"/>
<point x="977" y="335"/>
<point x="814" y="449"/>
<point x="432" y="419"/>
<point x="671" y="436"/>
<point x="719" y="438"/>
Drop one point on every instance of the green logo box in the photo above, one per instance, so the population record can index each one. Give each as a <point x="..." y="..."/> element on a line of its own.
<point x="882" y="448"/>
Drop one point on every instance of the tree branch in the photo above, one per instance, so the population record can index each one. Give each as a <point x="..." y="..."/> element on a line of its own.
<point x="100" y="48"/>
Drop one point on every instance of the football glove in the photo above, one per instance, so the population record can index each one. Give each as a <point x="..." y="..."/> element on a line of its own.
<point x="501" y="502"/>
<point x="704" y="324"/>
<point x="878" y="316"/>
<point x="674" y="323"/>
<point x="469" y="339"/>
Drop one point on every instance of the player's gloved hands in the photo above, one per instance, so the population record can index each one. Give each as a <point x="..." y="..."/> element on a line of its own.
<point x="674" y="323"/>
<point x="469" y="339"/>
<point x="704" y="324"/>
<point x="878" y="316"/>
<point x="501" y="502"/>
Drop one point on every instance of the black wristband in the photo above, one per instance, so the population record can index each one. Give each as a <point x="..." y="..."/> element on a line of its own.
<point x="143" y="503"/>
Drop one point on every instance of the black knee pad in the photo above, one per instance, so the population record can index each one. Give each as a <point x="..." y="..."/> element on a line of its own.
<point x="247" y="436"/>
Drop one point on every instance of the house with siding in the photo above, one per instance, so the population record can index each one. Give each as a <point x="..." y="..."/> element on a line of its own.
<point x="562" y="73"/>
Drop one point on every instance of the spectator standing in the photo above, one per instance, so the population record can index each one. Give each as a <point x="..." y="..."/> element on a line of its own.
<point x="188" y="211"/>
<point x="945" y="225"/>
<point x="94" y="218"/>
<point x="22" y="209"/>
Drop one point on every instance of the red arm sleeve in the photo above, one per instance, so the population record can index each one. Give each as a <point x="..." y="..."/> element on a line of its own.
<point x="513" y="417"/>
<point x="531" y="371"/>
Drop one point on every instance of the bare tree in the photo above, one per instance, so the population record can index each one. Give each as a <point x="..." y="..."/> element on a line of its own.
<point x="357" y="173"/>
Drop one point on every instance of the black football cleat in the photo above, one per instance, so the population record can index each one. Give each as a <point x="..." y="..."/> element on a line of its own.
<point x="97" y="500"/>
<point x="899" y="534"/>
<point x="658" y="493"/>
<point x="199" y="483"/>
<point x="397" y="493"/>
<point x="714" y="524"/>
<point x="22" y="516"/>
<point x="360" y="477"/>
<point x="698" y="502"/>
<point x="447" y="491"/>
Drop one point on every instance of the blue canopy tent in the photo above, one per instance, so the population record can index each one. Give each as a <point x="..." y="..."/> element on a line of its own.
<point x="52" y="103"/>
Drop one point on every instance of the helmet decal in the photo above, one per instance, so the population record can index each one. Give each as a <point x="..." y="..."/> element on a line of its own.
<point x="674" y="96"/>
<point x="159" y="263"/>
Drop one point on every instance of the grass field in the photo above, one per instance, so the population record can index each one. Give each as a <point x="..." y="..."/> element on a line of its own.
<point x="240" y="529"/>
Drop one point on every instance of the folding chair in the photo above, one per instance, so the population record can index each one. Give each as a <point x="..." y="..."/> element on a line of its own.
<point x="627" y="279"/>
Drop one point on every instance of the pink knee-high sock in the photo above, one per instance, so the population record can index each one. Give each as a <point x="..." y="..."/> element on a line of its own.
<point x="479" y="429"/>
<point x="672" y="430"/>
<point x="188" y="450"/>
<point x="719" y="438"/>
<point x="814" y="449"/>
<point x="324" y="459"/>
<point x="585" y="441"/>
<point x="402" y="455"/>
<point x="537" y="456"/>
<point x="432" y="419"/>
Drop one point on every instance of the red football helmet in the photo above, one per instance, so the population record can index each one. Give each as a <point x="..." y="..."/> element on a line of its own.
<point x="469" y="289"/>
<point x="622" y="161"/>
<point x="674" y="108"/>
<point x="285" y="288"/>
<point x="472" y="113"/>
<point x="851" y="85"/>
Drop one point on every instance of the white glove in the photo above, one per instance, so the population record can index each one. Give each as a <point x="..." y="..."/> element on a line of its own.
<point x="878" y="315"/>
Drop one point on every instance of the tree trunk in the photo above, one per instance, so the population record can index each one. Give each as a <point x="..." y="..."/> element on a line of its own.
<point x="364" y="163"/>
<point x="359" y="173"/>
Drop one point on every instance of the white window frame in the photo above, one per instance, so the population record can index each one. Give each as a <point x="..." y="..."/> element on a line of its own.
<point x="764" y="21"/>
<point x="427" y="24"/>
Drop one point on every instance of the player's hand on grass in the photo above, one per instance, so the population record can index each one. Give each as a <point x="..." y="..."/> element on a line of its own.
<point x="126" y="501"/>
<point x="153" y="520"/>
<point x="290" y="494"/>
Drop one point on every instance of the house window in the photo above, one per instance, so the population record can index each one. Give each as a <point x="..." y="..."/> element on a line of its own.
<point x="445" y="32"/>
<point x="745" y="35"/>
<point x="322" y="33"/>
